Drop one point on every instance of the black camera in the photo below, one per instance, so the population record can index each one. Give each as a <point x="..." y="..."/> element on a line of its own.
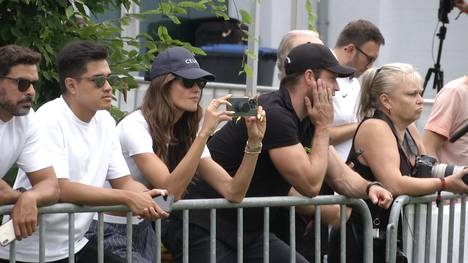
<point x="243" y="106"/>
<point x="427" y="166"/>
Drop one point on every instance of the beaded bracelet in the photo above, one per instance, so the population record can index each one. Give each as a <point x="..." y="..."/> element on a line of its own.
<point x="252" y="150"/>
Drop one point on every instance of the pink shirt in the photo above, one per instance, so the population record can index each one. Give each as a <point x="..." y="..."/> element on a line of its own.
<point x="450" y="113"/>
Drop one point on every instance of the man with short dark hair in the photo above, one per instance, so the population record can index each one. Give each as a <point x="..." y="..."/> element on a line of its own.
<point x="358" y="46"/>
<point x="21" y="140"/>
<point x="81" y="137"/>
<point x="295" y="153"/>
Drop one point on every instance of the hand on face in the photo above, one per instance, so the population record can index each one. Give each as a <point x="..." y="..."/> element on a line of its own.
<point x="256" y="126"/>
<point x="214" y="116"/>
<point x="320" y="110"/>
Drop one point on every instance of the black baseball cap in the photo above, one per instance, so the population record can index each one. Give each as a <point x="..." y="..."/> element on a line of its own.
<point x="314" y="56"/>
<point x="179" y="61"/>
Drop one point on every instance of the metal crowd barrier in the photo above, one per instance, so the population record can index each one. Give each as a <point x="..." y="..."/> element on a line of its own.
<point x="417" y="213"/>
<point x="213" y="204"/>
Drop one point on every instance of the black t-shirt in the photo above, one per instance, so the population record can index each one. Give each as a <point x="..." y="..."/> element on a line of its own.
<point x="227" y="148"/>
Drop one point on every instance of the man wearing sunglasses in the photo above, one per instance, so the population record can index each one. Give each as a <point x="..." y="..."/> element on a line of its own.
<point x="21" y="141"/>
<point x="81" y="137"/>
<point x="358" y="46"/>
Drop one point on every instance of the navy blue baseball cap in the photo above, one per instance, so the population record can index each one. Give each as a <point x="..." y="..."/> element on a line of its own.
<point x="314" y="56"/>
<point x="181" y="62"/>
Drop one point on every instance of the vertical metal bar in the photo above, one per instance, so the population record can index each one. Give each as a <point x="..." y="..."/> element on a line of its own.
<point x="450" y="231"/>
<point x="292" y="234"/>
<point x="266" y="234"/>
<point x="293" y="14"/>
<point x="157" y="232"/>
<point x="361" y="207"/>
<point x="100" y="237"/>
<point x="407" y="209"/>
<point x="240" y="235"/>
<point x="13" y="251"/>
<point x="213" y="235"/>
<point x="254" y="31"/>
<point x="129" y="237"/>
<point x="427" y="249"/>
<point x="440" y="221"/>
<point x="185" y="228"/>
<point x="41" y="238"/>
<point x="461" y="246"/>
<point x="416" y="220"/>
<point x="318" y="232"/>
<point x="343" y="233"/>
<point x="71" y="237"/>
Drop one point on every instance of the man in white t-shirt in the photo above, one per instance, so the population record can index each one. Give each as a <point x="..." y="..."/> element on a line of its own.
<point x="20" y="139"/>
<point x="81" y="137"/>
<point x="358" y="46"/>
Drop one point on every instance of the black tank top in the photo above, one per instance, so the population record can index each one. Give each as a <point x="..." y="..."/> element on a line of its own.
<point x="406" y="150"/>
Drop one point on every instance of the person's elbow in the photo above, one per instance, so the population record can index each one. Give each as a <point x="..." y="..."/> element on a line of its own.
<point x="311" y="189"/>
<point x="52" y="193"/>
<point x="55" y="193"/>
<point x="234" y="196"/>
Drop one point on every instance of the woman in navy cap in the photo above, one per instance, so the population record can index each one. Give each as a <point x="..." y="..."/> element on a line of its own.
<point x="165" y="148"/>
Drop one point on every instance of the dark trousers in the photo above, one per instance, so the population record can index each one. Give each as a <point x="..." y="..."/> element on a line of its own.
<point x="199" y="246"/>
<point x="88" y="254"/>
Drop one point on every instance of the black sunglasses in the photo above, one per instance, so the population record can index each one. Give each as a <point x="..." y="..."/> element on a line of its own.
<point x="23" y="84"/>
<point x="370" y="59"/>
<point x="100" y="81"/>
<point x="188" y="83"/>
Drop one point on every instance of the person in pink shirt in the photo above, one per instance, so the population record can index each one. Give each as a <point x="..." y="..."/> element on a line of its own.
<point x="449" y="114"/>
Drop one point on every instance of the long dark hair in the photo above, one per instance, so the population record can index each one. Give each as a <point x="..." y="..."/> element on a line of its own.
<point x="171" y="139"/>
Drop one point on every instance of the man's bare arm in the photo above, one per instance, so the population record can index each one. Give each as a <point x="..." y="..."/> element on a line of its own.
<point x="341" y="133"/>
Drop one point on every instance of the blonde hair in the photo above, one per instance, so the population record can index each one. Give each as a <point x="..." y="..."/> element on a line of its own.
<point x="383" y="80"/>
<point x="290" y="41"/>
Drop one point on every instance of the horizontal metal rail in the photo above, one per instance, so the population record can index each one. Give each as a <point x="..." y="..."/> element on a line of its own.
<point x="211" y="204"/>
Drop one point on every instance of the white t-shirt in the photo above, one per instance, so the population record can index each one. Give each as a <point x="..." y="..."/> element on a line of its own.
<point x="21" y="143"/>
<point x="135" y="139"/>
<point x="345" y="106"/>
<point x="88" y="153"/>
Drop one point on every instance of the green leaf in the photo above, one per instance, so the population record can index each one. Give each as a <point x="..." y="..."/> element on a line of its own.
<point x="245" y="17"/>
<point x="69" y="12"/>
<point x="200" y="6"/>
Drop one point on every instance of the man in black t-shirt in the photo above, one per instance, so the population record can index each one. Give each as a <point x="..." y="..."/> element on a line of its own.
<point x="295" y="153"/>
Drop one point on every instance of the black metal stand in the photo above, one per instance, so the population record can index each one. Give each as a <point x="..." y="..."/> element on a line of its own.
<point x="438" y="73"/>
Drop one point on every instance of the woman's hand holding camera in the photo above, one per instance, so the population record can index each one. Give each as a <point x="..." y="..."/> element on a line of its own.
<point x="213" y="116"/>
<point x="256" y="127"/>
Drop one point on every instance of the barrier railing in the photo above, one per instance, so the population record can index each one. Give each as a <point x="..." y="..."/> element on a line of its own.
<point x="418" y="217"/>
<point x="213" y="204"/>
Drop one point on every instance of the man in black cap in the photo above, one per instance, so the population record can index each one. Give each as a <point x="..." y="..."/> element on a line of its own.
<point x="295" y="153"/>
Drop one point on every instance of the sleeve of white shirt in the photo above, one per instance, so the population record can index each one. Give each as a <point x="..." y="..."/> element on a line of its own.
<point x="134" y="137"/>
<point x="117" y="166"/>
<point x="33" y="157"/>
<point x="206" y="153"/>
